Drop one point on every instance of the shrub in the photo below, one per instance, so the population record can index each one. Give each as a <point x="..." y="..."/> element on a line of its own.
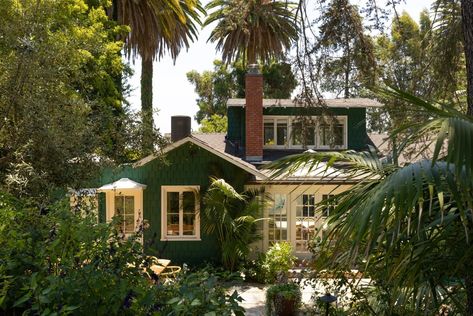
<point x="53" y="261"/>
<point x="198" y="293"/>
<point x="278" y="260"/>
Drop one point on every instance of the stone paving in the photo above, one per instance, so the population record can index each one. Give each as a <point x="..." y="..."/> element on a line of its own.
<point x="254" y="297"/>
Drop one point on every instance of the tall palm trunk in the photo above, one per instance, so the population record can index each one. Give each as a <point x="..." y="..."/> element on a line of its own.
<point x="467" y="24"/>
<point x="147" y="105"/>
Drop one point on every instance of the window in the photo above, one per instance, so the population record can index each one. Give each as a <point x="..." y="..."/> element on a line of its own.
<point x="332" y="135"/>
<point x="125" y="211"/>
<point x="305" y="220"/>
<point x="298" y="133"/>
<point x="275" y="132"/>
<point x="180" y="213"/>
<point x="286" y="132"/>
<point x="330" y="204"/>
<point x="278" y="219"/>
<point x="269" y="133"/>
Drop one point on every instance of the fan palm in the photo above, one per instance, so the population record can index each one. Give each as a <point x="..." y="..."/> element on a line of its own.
<point x="252" y="29"/>
<point x="415" y="222"/>
<point x="232" y="217"/>
<point x="156" y="27"/>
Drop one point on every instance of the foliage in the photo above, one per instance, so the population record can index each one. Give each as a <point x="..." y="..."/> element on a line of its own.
<point x="215" y="87"/>
<point x="277" y="260"/>
<point x="412" y="59"/>
<point x="253" y="30"/>
<point x="278" y="295"/>
<point x="232" y="217"/>
<point x="410" y="225"/>
<point x="346" y="53"/>
<point x="60" y="100"/>
<point x="214" y="124"/>
<point x="199" y="293"/>
<point x="54" y="261"/>
<point x="157" y="27"/>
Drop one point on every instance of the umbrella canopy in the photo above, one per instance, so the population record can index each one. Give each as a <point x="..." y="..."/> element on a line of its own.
<point x="122" y="184"/>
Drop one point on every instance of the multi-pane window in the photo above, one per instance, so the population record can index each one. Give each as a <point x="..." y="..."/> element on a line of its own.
<point x="331" y="135"/>
<point x="281" y="133"/>
<point x="305" y="220"/>
<point x="278" y="219"/>
<point x="180" y="212"/>
<point x="285" y="132"/>
<point x="125" y="210"/>
<point x="275" y="132"/>
<point x="299" y="133"/>
<point x="269" y="133"/>
<point x="330" y="204"/>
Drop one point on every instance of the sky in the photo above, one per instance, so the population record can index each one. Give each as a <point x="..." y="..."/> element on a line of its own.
<point x="174" y="95"/>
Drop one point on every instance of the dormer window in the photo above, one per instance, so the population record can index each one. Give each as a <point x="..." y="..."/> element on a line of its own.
<point x="283" y="132"/>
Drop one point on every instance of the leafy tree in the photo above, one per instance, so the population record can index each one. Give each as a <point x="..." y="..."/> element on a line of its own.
<point x="157" y="26"/>
<point x="454" y="25"/>
<point x="346" y="52"/>
<point x="411" y="225"/>
<point x="214" y="124"/>
<point x="252" y="29"/>
<point x="232" y="217"/>
<point x="216" y="87"/>
<point x="60" y="105"/>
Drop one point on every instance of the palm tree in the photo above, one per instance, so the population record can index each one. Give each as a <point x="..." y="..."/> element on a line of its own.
<point x="156" y="27"/>
<point x="232" y="217"/>
<point x="252" y="29"/>
<point x="415" y="223"/>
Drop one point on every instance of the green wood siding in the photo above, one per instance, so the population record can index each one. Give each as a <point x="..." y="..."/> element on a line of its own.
<point x="357" y="137"/>
<point x="186" y="165"/>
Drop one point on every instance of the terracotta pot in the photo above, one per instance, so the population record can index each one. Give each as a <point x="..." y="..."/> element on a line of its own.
<point x="284" y="306"/>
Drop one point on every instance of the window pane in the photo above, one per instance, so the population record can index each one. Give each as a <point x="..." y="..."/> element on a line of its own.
<point x="188" y="228"/>
<point x="188" y="202"/>
<point x="119" y="206"/>
<point x="338" y="135"/>
<point x="281" y="133"/>
<point x="129" y="205"/>
<point x="173" y="202"/>
<point x="129" y="224"/>
<point x="173" y="224"/>
<point x="279" y="204"/>
<point x="310" y="141"/>
<point x="324" y="135"/>
<point x="332" y="135"/>
<point x="269" y="133"/>
<point x="297" y="133"/>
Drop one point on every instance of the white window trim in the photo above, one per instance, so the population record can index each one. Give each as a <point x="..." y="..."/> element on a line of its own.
<point x="138" y="204"/>
<point x="291" y="120"/>
<point x="180" y="189"/>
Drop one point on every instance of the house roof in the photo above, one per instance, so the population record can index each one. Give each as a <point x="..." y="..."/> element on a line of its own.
<point x="331" y="103"/>
<point x="214" y="143"/>
<point x="422" y="149"/>
<point x="122" y="184"/>
<point x="217" y="144"/>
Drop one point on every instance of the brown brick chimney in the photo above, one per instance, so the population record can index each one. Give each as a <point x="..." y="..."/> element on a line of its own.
<point x="254" y="114"/>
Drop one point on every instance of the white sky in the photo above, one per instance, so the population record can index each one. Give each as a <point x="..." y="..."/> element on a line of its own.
<point x="174" y="95"/>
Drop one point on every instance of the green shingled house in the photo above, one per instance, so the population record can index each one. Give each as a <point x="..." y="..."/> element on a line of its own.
<point x="166" y="192"/>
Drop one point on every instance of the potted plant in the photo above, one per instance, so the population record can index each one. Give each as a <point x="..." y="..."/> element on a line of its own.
<point x="283" y="299"/>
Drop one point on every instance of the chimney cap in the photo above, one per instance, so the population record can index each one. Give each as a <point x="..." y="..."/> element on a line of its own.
<point x="253" y="69"/>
